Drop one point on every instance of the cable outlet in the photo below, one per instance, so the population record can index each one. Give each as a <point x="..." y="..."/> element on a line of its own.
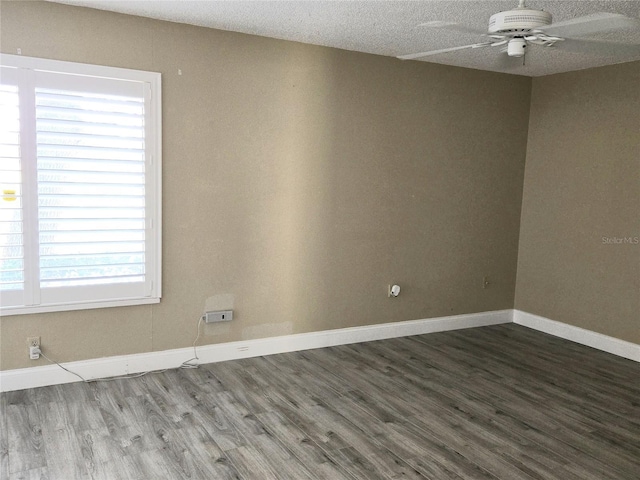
<point x="220" y="316"/>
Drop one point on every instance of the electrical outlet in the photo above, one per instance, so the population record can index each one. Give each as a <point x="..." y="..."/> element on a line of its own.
<point x="34" y="353"/>
<point x="34" y="347"/>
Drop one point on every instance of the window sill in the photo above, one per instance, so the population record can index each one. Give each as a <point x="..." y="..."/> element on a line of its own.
<point x="7" y="311"/>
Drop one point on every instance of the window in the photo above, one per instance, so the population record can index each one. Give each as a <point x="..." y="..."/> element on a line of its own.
<point x="80" y="186"/>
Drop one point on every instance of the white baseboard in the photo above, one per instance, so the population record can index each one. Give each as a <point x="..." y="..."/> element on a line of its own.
<point x="20" y="379"/>
<point x="579" y="335"/>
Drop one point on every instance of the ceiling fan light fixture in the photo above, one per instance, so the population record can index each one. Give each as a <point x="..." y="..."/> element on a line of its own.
<point x="517" y="47"/>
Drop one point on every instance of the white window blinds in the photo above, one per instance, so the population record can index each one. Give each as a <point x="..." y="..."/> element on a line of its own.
<point x="80" y="166"/>
<point x="11" y="240"/>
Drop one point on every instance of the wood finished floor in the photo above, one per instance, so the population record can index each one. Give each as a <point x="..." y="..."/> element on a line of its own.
<point x="501" y="402"/>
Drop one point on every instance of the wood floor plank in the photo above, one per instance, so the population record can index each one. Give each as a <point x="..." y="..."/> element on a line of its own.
<point x="308" y="420"/>
<point x="481" y="455"/>
<point x="305" y="449"/>
<point x="127" y="467"/>
<point x="233" y="378"/>
<point x="433" y="470"/>
<point x="492" y="403"/>
<point x="522" y="418"/>
<point x="251" y="464"/>
<point x="64" y="456"/>
<point x="363" y="378"/>
<point x="539" y="466"/>
<point x="342" y="416"/>
<point x="299" y="368"/>
<point x="550" y="368"/>
<point x="545" y="390"/>
<point x="154" y="465"/>
<point x="567" y="354"/>
<point x="4" y="439"/>
<point x="444" y="402"/>
<point x="24" y="438"/>
<point x="546" y="421"/>
<point x="357" y="464"/>
<point x="99" y="446"/>
<point x="555" y="366"/>
<point x="266" y="446"/>
<point x="219" y="427"/>
<point x="288" y="382"/>
<point x="430" y="454"/>
<point x="465" y="413"/>
<point x="35" y="474"/>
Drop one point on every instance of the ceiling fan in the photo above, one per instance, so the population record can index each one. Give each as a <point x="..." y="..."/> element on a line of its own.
<point x="516" y="29"/>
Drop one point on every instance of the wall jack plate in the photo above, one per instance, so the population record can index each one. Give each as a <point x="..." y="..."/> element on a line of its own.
<point x="219" y="316"/>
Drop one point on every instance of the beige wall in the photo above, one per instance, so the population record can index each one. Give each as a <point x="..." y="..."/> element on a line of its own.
<point x="298" y="182"/>
<point x="582" y="183"/>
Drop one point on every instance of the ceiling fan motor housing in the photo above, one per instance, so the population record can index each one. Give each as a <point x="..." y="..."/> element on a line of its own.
<point x="518" y="20"/>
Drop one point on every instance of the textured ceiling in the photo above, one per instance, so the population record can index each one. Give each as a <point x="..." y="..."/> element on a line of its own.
<point x="392" y="27"/>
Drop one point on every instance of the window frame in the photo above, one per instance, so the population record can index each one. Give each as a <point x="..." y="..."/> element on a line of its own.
<point x="153" y="182"/>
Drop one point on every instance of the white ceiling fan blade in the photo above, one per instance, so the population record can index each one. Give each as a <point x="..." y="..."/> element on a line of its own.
<point x="453" y="26"/>
<point x="412" y="56"/>
<point x="590" y="24"/>
<point x="596" y="47"/>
